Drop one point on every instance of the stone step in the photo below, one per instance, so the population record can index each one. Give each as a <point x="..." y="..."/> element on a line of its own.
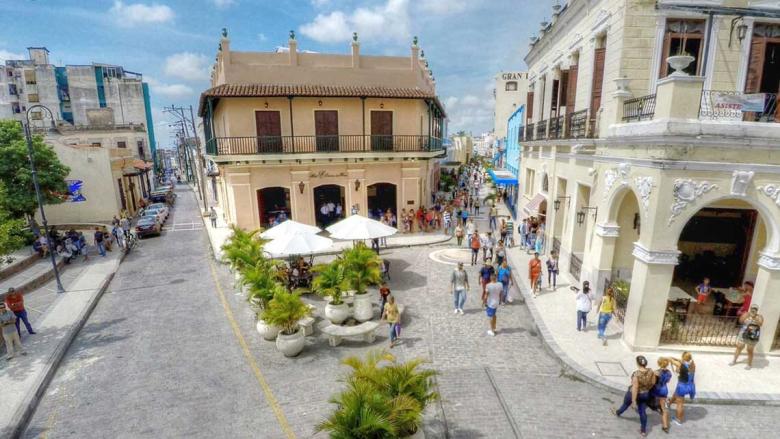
<point x="32" y="277"/>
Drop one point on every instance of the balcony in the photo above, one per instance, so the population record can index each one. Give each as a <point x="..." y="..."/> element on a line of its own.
<point x="260" y="145"/>
<point x="638" y="109"/>
<point x="541" y="130"/>
<point x="529" y="132"/>
<point x="733" y="106"/>
<point x="566" y="126"/>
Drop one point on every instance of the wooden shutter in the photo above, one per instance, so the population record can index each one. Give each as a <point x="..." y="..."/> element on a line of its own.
<point x="554" y="98"/>
<point x="268" y="123"/>
<point x="562" y="94"/>
<point x="665" y="54"/>
<point x="529" y="105"/>
<point x="326" y="123"/>
<point x="382" y="123"/>
<point x="571" y="88"/>
<point x="599" y="57"/>
<point x="755" y="65"/>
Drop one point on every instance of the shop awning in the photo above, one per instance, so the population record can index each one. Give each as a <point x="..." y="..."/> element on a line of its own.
<point x="532" y="208"/>
<point x="502" y="176"/>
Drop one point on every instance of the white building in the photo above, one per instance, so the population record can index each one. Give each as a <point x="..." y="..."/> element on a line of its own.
<point x="510" y="93"/>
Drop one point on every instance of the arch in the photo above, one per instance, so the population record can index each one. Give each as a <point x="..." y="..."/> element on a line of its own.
<point x="615" y="200"/>
<point x="381" y="196"/>
<point x="328" y="203"/>
<point x="625" y="208"/>
<point x="273" y="203"/>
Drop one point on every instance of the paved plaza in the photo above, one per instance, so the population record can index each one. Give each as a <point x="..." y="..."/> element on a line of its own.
<point x="163" y="356"/>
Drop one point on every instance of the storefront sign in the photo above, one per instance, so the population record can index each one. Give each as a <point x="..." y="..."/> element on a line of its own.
<point x="512" y="76"/>
<point x="325" y="174"/>
<point x="743" y="103"/>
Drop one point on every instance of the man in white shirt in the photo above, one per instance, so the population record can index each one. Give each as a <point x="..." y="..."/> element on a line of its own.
<point x="488" y="242"/>
<point x="493" y="299"/>
<point x="584" y="304"/>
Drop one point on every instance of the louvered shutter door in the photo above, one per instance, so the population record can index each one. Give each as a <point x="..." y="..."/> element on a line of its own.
<point x="598" y="80"/>
<point x="571" y="88"/>
<point x="755" y="65"/>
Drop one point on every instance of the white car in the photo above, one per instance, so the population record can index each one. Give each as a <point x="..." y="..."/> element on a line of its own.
<point x="161" y="212"/>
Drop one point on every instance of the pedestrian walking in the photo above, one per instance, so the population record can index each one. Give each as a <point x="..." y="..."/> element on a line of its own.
<point x="464" y="215"/>
<point x="125" y="224"/>
<point x="393" y="318"/>
<point x="492" y="215"/>
<point x="447" y="219"/>
<point x="14" y="300"/>
<point x="485" y="274"/>
<point x="539" y="242"/>
<point x="384" y="293"/>
<point x="534" y="273"/>
<point x="488" y="243"/>
<point x="661" y="391"/>
<point x="213" y="217"/>
<point x="492" y="298"/>
<point x="99" y="237"/>
<point x="459" y="232"/>
<point x="584" y="304"/>
<point x="474" y="245"/>
<point x="749" y="334"/>
<point x="552" y="271"/>
<point x="522" y="229"/>
<point x="686" y="385"/>
<point x="8" y="328"/>
<point x="470" y="230"/>
<point x="500" y="253"/>
<point x="475" y="204"/>
<point x="119" y="234"/>
<point x="459" y="282"/>
<point x="606" y="309"/>
<point x="505" y="277"/>
<point x="638" y="395"/>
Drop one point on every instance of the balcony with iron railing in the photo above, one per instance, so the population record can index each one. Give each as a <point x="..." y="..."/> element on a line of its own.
<point x="541" y="130"/>
<point x="637" y="109"/>
<point x="574" y="125"/>
<point x="264" y="145"/>
<point x="529" y="132"/>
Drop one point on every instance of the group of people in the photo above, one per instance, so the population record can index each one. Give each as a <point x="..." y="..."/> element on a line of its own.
<point x="71" y="244"/>
<point x="650" y="389"/>
<point x="495" y="281"/>
<point x="329" y="212"/>
<point x="12" y="313"/>
<point x="120" y="230"/>
<point x="531" y="232"/>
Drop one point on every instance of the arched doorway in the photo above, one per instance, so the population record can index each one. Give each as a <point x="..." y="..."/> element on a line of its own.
<point x="273" y="205"/>
<point x="329" y="204"/>
<point x="381" y="197"/>
<point x="720" y="242"/>
<point x="624" y="214"/>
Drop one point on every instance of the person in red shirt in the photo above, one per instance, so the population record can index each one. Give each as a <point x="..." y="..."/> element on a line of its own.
<point x="14" y="300"/>
<point x="747" y="290"/>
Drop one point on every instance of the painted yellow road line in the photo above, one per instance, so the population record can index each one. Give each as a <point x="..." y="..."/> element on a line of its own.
<point x="269" y="395"/>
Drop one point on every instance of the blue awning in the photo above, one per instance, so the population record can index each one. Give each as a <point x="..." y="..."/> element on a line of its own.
<point x="502" y="176"/>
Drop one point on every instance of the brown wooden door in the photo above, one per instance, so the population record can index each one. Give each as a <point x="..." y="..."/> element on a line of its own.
<point x="554" y="99"/>
<point x="529" y="105"/>
<point x="269" y="131"/>
<point x="598" y="82"/>
<point x="571" y="89"/>
<point x="326" y="130"/>
<point x="381" y="130"/>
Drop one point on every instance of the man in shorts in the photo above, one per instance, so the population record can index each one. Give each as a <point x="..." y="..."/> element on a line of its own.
<point x="491" y="299"/>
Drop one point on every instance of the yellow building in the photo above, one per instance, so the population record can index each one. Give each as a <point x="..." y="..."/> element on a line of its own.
<point x="655" y="175"/>
<point x="294" y="131"/>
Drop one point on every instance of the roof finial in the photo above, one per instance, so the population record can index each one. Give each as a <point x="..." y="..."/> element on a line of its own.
<point x="414" y="41"/>
<point x="354" y="37"/>
<point x="224" y="32"/>
<point x="422" y="54"/>
<point x="292" y="34"/>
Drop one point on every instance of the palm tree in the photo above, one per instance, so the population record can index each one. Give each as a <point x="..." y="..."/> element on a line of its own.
<point x="330" y="281"/>
<point x="243" y="249"/>
<point x="285" y="310"/>
<point x="361" y="267"/>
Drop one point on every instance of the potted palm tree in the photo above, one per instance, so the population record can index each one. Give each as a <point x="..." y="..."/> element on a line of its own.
<point x="261" y="286"/>
<point x="243" y="249"/>
<point x="284" y="311"/>
<point x="361" y="269"/>
<point x="383" y="398"/>
<point x="330" y="283"/>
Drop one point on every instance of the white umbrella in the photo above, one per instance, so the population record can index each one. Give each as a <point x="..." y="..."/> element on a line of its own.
<point x="359" y="227"/>
<point x="297" y="244"/>
<point x="289" y="227"/>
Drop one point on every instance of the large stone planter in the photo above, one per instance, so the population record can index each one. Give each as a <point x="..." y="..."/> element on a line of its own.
<point x="679" y="63"/>
<point x="290" y="345"/>
<point x="363" y="310"/>
<point x="266" y="331"/>
<point x="337" y="313"/>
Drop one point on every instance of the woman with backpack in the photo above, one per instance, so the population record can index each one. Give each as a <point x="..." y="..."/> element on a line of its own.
<point x="638" y="394"/>
<point x="748" y="335"/>
<point x="686" y="386"/>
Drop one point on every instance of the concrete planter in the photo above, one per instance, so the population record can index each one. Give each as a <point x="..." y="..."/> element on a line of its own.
<point x="362" y="308"/>
<point x="290" y="345"/>
<point x="678" y="63"/>
<point x="266" y="331"/>
<point x="337" y="313"/>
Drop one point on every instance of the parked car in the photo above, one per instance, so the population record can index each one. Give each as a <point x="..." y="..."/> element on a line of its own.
<point x="148" y="225"/>
<point x="162" y="197"/>
<point x="160" y="211"/>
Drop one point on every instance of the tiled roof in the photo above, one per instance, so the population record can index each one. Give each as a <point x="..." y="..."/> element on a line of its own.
<point x="283" y="90"/>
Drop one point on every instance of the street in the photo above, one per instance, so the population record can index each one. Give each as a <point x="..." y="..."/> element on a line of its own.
<point x="159" y="358"/>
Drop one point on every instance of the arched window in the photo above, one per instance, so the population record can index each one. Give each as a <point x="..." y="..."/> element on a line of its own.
<point x="511" y="86"/>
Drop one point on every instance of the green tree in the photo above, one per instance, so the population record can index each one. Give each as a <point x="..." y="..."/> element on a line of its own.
<point x="12" y="235"/>
<point x="16" y="176"/>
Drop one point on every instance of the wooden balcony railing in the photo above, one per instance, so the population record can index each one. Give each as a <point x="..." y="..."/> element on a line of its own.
<point x="321" y="144"/>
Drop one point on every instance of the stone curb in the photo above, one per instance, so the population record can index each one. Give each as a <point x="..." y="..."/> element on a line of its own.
<point x="580" y="372"/>
<point x="23" y="415"/>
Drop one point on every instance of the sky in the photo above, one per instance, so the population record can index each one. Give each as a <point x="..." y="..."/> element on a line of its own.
<point x="173" y="42"/>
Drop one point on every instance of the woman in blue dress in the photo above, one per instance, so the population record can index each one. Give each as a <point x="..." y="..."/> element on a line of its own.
<point x="686" y="386"/>
<point x="661" y="390"/>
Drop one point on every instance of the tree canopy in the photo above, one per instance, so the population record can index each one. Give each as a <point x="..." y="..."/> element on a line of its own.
<point x="15" y="172"/>
<point x="12" y="235"/>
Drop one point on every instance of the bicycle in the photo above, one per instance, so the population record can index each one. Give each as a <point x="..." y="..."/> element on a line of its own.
<point x="131" y="242"/>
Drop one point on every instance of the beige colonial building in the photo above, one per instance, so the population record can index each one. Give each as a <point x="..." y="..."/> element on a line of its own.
<point x="655" y="175"/>
<point x="293" y="133"/>
<point x="510" y="93"/>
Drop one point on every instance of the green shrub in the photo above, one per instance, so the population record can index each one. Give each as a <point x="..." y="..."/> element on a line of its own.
<point x="284" y="311"/>
<point x="361" y="267"/>
<point x="330" y="280"/>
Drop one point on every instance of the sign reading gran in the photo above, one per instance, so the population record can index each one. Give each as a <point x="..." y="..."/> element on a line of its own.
<point x="510" y="76"/>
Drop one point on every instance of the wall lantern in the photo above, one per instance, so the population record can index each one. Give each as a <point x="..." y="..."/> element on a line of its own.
<point x="557" y="202"/>
<point x="742" y="31"/>
<point x="357" y="185"/>
<point x="266" y="104"/>
<point x="382" y="105"/>
<point x="581" y="214"/>
<point x="319" y="103"/>
<point x="301" y="186"/>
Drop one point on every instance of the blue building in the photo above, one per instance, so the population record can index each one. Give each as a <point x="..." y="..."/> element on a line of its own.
<point x="507" y="178"/>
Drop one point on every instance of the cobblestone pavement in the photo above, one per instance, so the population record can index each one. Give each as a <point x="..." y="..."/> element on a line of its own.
<point x="158" y="359"/>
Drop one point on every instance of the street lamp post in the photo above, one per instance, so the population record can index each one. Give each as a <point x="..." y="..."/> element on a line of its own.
<point x="28" y="138"/>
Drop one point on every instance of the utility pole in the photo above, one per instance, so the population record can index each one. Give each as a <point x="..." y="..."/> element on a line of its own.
<point x="192" y="171"/>
<point x="201" y="161"/>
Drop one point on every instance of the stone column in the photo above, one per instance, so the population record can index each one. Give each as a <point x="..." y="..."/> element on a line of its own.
<point x="766" y="298"/>
<point x="600" y="255"/>
<point x="651" y="277"/>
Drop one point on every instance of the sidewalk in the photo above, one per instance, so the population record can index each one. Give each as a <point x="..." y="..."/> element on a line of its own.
<point x="56" y="318"/>
<point x="610" y="366"/>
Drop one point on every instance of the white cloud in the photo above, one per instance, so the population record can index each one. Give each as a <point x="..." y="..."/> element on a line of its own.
<point x="187" y="65"/>
<point x="7" y="55"/>
<point x="262" y="37"/>
<point x="320" y="3"/>
<point x="223" y="3"/>
<point x="173" y="91"/>
<point x="389" y="21"/>
<point x="443" y="6"/>
<point x="129" y="15"/>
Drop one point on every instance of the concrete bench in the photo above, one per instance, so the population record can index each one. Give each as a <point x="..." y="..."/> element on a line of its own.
<point x="307" y="324"/>
<point x="366" y="330"/>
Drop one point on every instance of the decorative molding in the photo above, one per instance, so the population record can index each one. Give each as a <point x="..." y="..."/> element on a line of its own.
<point x="608" y="230"/>
<point x="772" y="191"/>
<point x="686" y="191"/>
<point x="658" y="257"/>
<point x="612" y="176"/>
<point x="769" y="262"/>
<point x="600" y="20"/>
<point x="740" y="180"/>
<point x="644" y="187"/>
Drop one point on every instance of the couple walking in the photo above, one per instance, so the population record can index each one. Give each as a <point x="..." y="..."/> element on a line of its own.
<point x="494" y="293"/>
